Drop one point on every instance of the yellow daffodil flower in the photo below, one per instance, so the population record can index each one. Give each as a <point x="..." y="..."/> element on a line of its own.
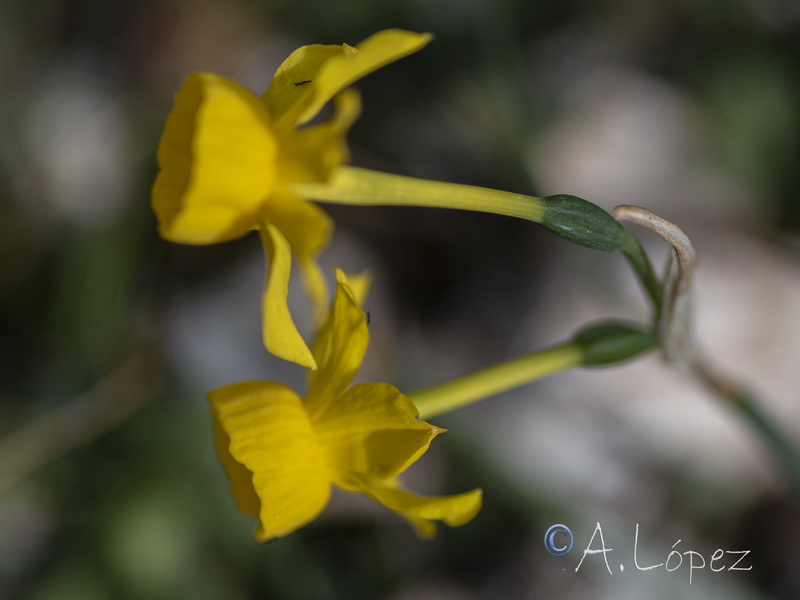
<point x="282" y="453"/>
<point x="228" y="160"/>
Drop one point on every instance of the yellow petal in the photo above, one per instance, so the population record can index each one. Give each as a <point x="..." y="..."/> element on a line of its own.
<point x="373" y="53"/>
<point x="311" y="153"/>
<point x="271" y="436"/>
<point x="453" y="510"/>
<point x="359" y="284"/>
<point x="290" y="85"/>
<point x="217" y="157"/>
<point x="329" y="69"/>
<point x="240" y="478"/>
<point x="307" y="228"/>
<point x="338" y="349"/>
<point x="424" y="528"/>
<point x="280" y="334"/>
<point x="371" y="428"/>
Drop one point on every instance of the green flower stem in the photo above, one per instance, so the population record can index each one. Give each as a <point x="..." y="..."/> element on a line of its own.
<point x="640" y="262"/>
<point x="605" y="343"/>
<point x="353" y="185"/>
<point x="570" y="217"/>
<point x="499" y="378"/>
<point x="784" y="451"/>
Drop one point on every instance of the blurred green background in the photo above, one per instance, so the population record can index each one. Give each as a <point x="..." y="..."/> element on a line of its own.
<point x="110" y="337"/>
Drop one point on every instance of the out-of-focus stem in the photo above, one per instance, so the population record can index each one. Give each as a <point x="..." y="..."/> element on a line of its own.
<point x="113" y="399"/>
<point x="748" y="406"/>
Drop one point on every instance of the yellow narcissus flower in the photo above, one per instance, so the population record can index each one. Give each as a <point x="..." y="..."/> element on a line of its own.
<point x="229" y="159"/>
<point x="282" y="452"/>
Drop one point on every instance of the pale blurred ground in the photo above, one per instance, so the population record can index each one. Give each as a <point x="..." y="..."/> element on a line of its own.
<point x="686" y="108"/>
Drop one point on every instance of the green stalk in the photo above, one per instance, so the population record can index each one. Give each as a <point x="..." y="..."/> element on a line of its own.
<point x="601" y="344"/>
<point x="494" y="380"/>
<point x="353" y="185"/>
<point x="640" y="262"/>
<point x="783" y="450"/>
<point x="572" y="218"/>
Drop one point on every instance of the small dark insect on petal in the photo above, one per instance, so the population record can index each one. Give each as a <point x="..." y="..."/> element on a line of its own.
<point x="369" y="318"/>
<point x="302" y="83"/>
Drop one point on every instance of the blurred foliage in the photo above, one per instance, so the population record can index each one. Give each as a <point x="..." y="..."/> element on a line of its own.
<point x="142" y="511"/>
